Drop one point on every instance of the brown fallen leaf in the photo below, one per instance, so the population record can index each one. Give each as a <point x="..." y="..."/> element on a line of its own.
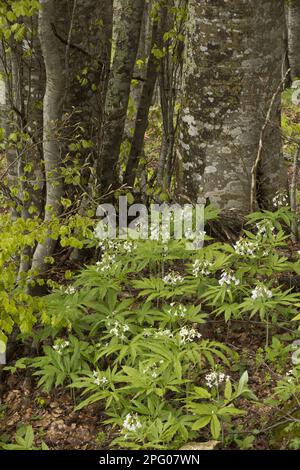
<point x="209" y="445"/>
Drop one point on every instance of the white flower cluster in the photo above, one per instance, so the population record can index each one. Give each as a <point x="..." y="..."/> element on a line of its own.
<point x="70" y="290"/>
<point x="290" y="375"/>
<point x="153" y="369"/>
<point x="177" y="311"/>
<point x="228" y="279"/>
<point x="60" y="345"/>
<point x="246" y="247"/>
<point x="214" y="379"/>
<point x="106" y="263"/>
<point x="128" y="246"/>
<point x="132" y="423"/>
<point x="201" y="267"/>
<point x="188" y="335"/>
<point x="173" y="279"/>
<point x="263" y="228"/>
<point x="118" y="330"/>
<point x="98" y="379"/>
<point x="261" y="292"/>
<point x="163" y="333"/>
<point x="281" y="200"/>
<point x="118" y="245"/>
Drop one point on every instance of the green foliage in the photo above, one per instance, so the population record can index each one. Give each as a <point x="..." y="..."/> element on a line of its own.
<point x="63" y="363"/>
<point x="18" y="307"/>
<point x="24" y="440"/>
<point x="130" y="331"/>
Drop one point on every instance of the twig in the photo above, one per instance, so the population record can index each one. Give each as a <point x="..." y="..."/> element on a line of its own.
<point x="254" y="169"/>
<point x="293" y="195"/>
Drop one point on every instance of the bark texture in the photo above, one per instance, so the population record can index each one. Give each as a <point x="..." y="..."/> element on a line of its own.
<point x="53" y="105"/>
<point x="127" y="44"/>
<point x="294" y="37"/>
<point x="233" y="67"/>
<point x="145" y="102"/>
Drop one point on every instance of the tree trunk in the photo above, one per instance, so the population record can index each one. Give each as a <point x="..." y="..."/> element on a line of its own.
<point x="145" y="102"/>
<point x="294" y="37"/>
<point x="53" y="101"/>
<point x="170" y="78"/>
<point x="119" y="89"/>
<point x="232" y="69"/>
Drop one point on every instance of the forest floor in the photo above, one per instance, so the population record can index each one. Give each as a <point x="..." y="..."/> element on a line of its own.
<point x="55" y="422"/>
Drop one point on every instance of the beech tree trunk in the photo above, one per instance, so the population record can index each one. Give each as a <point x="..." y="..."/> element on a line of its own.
<point x="294" y="37"/>
<point x="233" y="67"/>
<point x="53" y="102"/>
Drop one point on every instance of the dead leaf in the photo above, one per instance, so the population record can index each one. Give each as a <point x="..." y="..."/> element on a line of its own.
<point x="209" y="445"/>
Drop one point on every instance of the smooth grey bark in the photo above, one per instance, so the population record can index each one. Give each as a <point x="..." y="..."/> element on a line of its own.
<point x="76" y="42"/>
<point x="118" y="92"/>
<point x="53" y="101"/>
<point x="294" y="37"/>
<point x="233" y="67"/>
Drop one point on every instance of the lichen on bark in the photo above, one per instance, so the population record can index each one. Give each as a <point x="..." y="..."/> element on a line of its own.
<point x="232" y="68"/>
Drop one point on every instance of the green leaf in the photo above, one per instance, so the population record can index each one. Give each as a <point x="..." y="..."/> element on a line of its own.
<point x="2" y="347"/>
<point x="243" y="382"/>
<point x="215" y="427"/>
<point x="202" y="392"/>
<point x="201" y="423"/>
<point x="230" y="411"/>
<point x="228" y="390"/>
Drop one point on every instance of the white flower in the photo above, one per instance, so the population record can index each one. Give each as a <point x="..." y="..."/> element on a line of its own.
<point x="166" y="333"/>
<point x="173" y="279"/>
<point x="214" y="379"/>
<point x="118" y="330"/>
<point x="177" y="311"/>
<point x="264" y="228"/>
<point x="261" y="292"/>
<point x="60" y="345"/>
<point x="188" y="335"/>
<point x="152" y="369"/>
<point x="131" y="423"/>
<point x="70" y="290"/>
<point x="244" y="247"/>
<point x="98" y="379"/>
<point x="228" y="279"/>
<point x="106" y="263"/>
<point x="201" y="267"/>
<point x="129" y="246"/>
<point x="281" y="200"/>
